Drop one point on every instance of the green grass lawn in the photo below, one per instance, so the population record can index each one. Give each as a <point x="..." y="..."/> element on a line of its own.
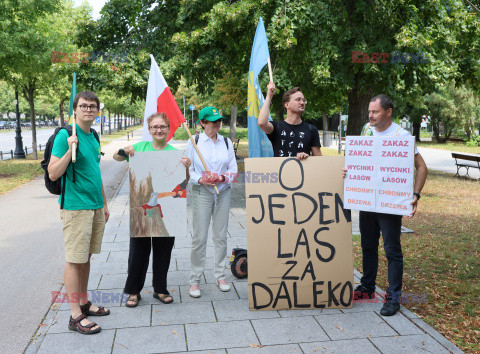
<point x="442" y="258"/>
<point x="451" y="146"/>
<point x="14" y="173"/>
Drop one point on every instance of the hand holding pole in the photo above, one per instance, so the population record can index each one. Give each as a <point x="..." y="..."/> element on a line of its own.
<point x="198" y="152"/>
<point x="74" y="145"/>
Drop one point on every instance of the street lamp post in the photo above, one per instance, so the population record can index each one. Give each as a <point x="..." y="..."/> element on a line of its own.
<point x="19" y="153"/>
<point x="101" y="118"/>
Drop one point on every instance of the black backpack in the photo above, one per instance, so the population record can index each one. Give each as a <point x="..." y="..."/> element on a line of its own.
<point x="55" y="187"/>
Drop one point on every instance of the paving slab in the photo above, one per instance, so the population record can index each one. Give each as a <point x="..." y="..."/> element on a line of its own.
<point x="409" y="344"/>
<point x="181" y="313"/>
<point x="401" y="324"/>
<point x="116" y="256"/>
<point x="234" y="310"/>
<point x="241" y="289"/>
<point x="288" y="330"/>
<point x="73" y="342"/>
<point x="363" y="346"/>
<point x="184" y="263"/>
<point x="157" y="339"/>
<point x="272" y="349"/>
<point x="125" y="317"/>
<point x="109" y="268"/>
<point x="205" y="336"/>
<point x="210" y="277"/>
<point x="354" y="325"/>
<point x="210" y="292"/>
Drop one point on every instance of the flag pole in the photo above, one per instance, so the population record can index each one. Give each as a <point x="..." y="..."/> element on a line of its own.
<point x="198" y="152"/>
<point x="74" y="133"/>
<point x="270" y="72"/>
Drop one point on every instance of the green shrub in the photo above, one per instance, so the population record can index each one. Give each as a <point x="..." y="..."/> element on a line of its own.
<point x="474" y="141"/>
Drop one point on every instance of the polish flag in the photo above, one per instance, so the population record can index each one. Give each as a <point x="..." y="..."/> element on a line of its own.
<point x="160" y="99"/>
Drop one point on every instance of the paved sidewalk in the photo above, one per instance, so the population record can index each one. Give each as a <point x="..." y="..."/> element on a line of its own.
<point x="219" y="322"/>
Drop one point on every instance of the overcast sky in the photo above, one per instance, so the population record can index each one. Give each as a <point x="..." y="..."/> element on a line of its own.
<point x="96" y="4"/>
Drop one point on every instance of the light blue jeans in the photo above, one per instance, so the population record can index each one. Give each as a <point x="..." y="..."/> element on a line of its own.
<point x="208" y="206"/>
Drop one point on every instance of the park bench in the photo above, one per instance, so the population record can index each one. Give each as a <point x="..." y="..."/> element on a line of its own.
<point x="466" y="160"/>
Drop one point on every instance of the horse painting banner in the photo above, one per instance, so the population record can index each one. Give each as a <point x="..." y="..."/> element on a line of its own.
<point x="299" y="234"/>
<point x="380" y="173"/>
<point x="158" y="194"/>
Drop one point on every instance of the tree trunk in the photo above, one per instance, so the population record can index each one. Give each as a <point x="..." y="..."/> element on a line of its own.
<point x="109" y="124"/>
<point x="60" y="110"/>
<point x="325" y="137"/>
<point x="28" y="93"/>
<point x="416" y="131"/>
<point x="469" y="126"/>
<point x="233" y="122"/>
<point x="436" y="132"/>
<point x="358" y="101"/>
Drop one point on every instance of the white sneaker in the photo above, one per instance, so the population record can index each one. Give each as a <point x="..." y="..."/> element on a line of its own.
<point x="223" y="287"/>
<point x="194" y="293"/>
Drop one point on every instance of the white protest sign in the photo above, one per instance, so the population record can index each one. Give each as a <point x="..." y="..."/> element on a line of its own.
<point x="380" y="174"/>
<point x="158" y="195"/>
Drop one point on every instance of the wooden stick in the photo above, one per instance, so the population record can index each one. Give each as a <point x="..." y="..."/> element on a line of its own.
<point x="74" y="145"/>
<point x="198" y="152"/>
<point x="270" y="72"/>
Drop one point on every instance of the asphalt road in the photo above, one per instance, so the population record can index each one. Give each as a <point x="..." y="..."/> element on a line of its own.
<point x="31" y="251"/>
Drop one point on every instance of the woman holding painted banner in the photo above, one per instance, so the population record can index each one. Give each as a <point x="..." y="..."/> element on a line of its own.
<point x="140" y="247"/>
<point x="217" y="152"/>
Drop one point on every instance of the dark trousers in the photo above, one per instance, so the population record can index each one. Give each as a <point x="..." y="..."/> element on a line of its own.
<point x="139" y="257"/>
<point x="390" y="225"/>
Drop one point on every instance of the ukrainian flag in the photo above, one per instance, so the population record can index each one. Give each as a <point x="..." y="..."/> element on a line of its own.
<point x="258" y="143"/>
<point x="73" y="93"/>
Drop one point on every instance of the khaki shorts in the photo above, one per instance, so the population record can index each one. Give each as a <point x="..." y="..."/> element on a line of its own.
<point x="82" y="232"/>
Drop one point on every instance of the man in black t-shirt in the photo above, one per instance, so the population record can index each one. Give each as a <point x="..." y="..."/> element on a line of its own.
<point x="291" y="137"/>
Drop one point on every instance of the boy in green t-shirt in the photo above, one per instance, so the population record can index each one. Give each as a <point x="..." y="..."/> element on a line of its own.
<point x="85" y="209"/>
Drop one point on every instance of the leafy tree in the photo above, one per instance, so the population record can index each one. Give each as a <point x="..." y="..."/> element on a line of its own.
<point x="441" y="109"/>
<point x="466" y="109"/>
<point x="34" y="30"/>
<point x="311" y="44"/>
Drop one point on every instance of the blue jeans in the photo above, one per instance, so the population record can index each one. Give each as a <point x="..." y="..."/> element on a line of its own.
<point x="390" y="225"/>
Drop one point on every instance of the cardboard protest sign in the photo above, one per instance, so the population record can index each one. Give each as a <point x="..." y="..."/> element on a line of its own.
<point x="158" y="194"/>
<point x="299" y="234"/>
<point x="380" y="173"/>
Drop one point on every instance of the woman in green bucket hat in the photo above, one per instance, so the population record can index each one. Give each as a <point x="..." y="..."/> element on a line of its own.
<point x="217" y="152"/>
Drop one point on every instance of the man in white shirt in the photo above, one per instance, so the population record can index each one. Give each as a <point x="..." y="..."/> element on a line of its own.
<point x="380" y="112"/>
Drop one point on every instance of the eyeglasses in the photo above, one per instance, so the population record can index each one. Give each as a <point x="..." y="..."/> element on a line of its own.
<point x="300" y="100"/>
<point x="85" y="108"/>
<point x="159" y="127"/>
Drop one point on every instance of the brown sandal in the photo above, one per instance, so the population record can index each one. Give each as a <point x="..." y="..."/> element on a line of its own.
<point x="162" y="298"/>
<point x="134" y="300"/>
<point x="75" y="325"/>
<point x="100" y="312"/>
